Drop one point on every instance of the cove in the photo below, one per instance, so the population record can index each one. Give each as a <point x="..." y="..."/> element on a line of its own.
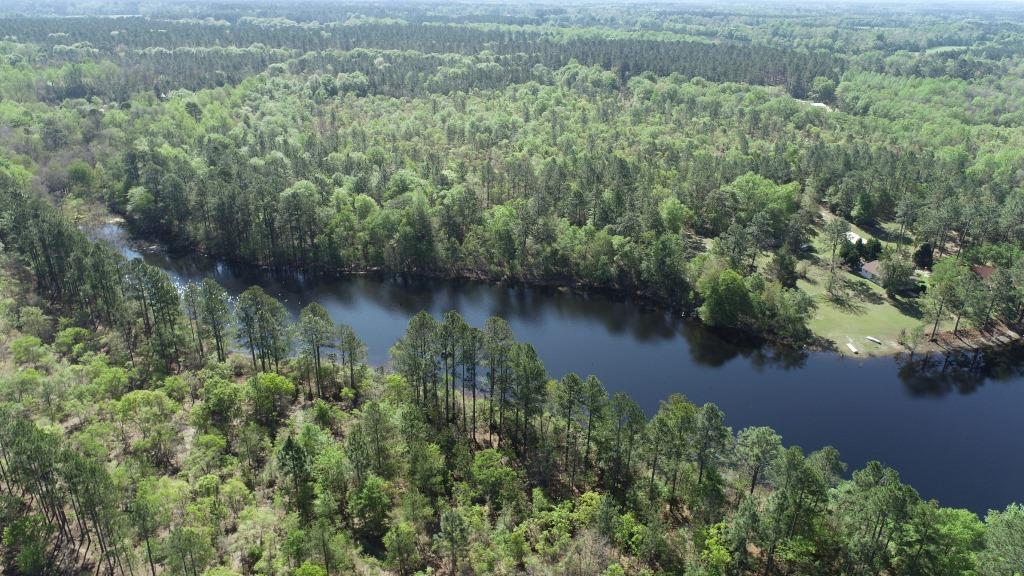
<point x="951" y="426"/>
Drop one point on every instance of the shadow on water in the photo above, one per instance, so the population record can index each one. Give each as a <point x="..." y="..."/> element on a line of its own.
<point x="714" y="348"/>
<point x="961" y="372"/>
<point x="947" y="423"/>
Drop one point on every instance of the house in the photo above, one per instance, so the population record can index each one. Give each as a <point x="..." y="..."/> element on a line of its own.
<point x="871" y="270"/>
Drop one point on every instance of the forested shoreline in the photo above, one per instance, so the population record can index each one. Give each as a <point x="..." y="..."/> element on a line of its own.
<point x="464" y="457"/>
<point x="616" y="156"/>
<point x="850" y="176"/>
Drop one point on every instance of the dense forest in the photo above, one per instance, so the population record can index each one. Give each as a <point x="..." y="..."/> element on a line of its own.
<point x="151" y="430"/>
<point x="802" y="175"/>
<point x="692" y="158"/>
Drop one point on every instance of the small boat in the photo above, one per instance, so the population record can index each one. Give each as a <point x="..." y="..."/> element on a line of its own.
<point x="852" y="348"/>
<point x="873" y="339"/>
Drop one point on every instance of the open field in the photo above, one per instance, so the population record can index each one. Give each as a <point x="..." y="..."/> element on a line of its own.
<point x="862" y="309"/>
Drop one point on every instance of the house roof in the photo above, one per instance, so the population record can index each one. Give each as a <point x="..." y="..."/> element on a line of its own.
<point x="871" y="267"/>
<point x="983" y="271"/>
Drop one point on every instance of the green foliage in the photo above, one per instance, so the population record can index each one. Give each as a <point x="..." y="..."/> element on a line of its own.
<point x="496" y="480"/>
<point x="33" y="322"/>
<point x="28" y="350"/>
<point x="261" y="327"/>
<point x="309" y="569"/>
<point x="74" y="342"/>
<point x="189" y="550"/>
<point x="222" y="400"/>
<point x="315" y="331"/>
<point x="896" y="273"/>
<point x="402" y="551"/>
<point x="758" y="449"/>
<point x="269" y="396"/>
<point x="715" y="556"/>
<point x="29" y="537"/>
<point x="651" y="150"/>
<point x="822" y="89"/>
<point x="1004" y="542"/>
<point x="369" y="505"/>
<point x="727" y="300"/>
<point x="146" y="414"/>
<point x="314" y="493"/>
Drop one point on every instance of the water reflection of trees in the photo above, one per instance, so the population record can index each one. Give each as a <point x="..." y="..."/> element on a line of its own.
<point x="922" y="375"/>
<point x="962" y="372"/>
<point x="536" y="305"/>
<point x="531" y="305"/>
<point x="539" y="307"/>
<point x="715" y="349"/>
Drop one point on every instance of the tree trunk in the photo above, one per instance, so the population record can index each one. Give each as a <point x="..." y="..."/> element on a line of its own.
<point x="149" y="556"/>
<point x="446" y="413"/>
<point x="654" y="468"/>
<point x="326" y="552"/>
<point x="938" y="318"/>
<point x="586" y="447"/>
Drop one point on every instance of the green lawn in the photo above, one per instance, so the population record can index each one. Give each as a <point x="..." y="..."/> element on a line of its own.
<point x="865" y="310"/>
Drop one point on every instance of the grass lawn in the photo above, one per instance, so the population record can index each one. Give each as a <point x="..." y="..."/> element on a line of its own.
<point x="863" y="311"/>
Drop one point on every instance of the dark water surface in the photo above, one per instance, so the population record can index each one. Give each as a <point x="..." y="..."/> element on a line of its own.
<point x="954" y="434"/>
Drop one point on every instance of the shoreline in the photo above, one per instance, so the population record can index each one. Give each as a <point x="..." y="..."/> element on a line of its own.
<point x="945" y="342"/>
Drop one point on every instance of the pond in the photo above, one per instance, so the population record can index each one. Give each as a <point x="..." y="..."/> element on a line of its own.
<point x="951" y="426"/>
